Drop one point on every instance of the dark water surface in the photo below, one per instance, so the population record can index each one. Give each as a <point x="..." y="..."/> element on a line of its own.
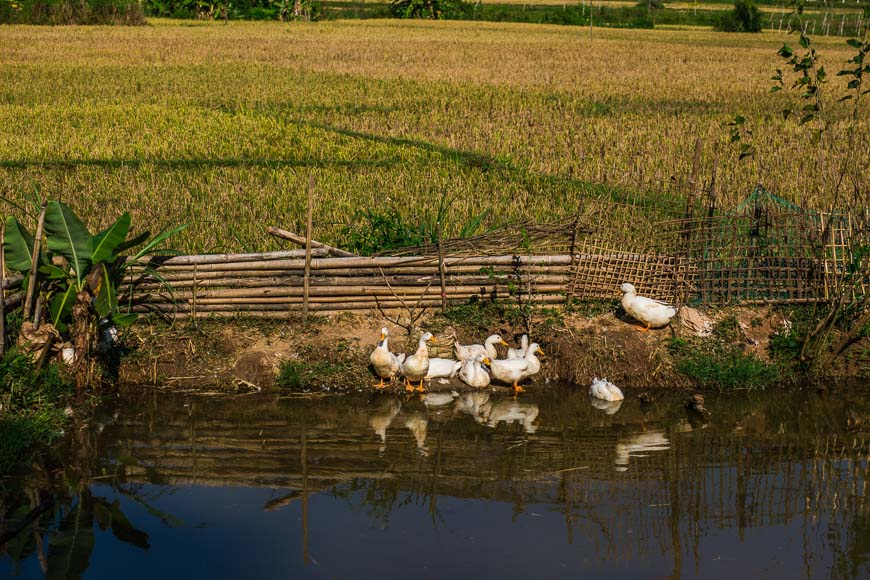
<point x="545" y="486"/>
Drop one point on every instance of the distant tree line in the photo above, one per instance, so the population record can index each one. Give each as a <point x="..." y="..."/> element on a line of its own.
<point x="127" y="12"/>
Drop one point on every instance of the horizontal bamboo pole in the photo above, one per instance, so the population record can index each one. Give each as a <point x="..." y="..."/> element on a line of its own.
<point x="341" y="282"/>
<point x="202" y="259"/>
<point x="315" y="306"/>
<point x="12" y="282"/>
<point x="284" y="295"/>
<point x="376" y="262"/>
<point x="432" y="272"/>
<point x="13" y="301"/>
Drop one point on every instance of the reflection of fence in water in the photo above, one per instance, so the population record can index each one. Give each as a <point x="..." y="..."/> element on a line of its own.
<point x="664" y="501"/>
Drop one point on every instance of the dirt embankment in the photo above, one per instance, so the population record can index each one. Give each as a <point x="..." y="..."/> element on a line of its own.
<point x="251" y="354"/>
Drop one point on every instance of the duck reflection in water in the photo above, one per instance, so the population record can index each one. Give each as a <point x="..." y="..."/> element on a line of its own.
<point x="638" y="446"/>
<point x="510" y="411"/>
<point x="381" y="417"/>
<point x="471" y="404"/>
<point x="609" y="407"/>
<point x="417" y="423"/>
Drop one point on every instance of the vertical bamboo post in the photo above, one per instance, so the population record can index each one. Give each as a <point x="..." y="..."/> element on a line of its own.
<point x="193" y="306"/>
<point x="306" y="282"/>
<point x="31" y="288"/>
<point x="2" y="289"/>
<point x="569" y="295"/>
<point x="441" y="269"/>
<point x="693" y="179"/>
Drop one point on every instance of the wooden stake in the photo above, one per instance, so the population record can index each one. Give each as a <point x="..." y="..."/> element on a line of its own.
<point x="2" y="289"/>
<point x="31" y="289"/>
<point x="693" y="180"/>
<point x="442" y="270"/>
<point x="286" y="235"/>
<point x="307" y="279"/>
<point x="569" y="295"/>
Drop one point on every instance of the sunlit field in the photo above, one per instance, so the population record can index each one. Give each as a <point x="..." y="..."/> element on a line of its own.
<point x="220" y="125"/>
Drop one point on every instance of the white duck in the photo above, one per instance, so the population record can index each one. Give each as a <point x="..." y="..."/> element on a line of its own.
<point x="514" y="370"/>
<point x="385" y="363"/>
<point x="468" y="352"/>
<point x="605" y="390"/>
<point x="519" y="352"/>
<point x="442" y="368"/>
<point x="473" y="374"/>
<point x="416" y="366"/>
<point x="652" y="313"/>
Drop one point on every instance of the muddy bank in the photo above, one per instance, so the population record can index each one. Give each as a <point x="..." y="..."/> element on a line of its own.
<point x="332" y="353"/>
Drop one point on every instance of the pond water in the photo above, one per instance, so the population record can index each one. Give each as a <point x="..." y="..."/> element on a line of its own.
<point x="547" y="485"/>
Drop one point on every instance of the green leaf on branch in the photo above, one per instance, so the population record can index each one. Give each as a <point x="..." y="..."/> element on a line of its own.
<point x="18" y="246"/>
<point x="106" y="242"/>
<point x="67" y="235"/>
<point x="106" y="301"/>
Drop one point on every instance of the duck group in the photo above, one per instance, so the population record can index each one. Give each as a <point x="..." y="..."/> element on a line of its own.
<point x="475" y="364"/>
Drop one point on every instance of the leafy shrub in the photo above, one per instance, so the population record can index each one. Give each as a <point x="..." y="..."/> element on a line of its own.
<point x="429" y="9"/>
<point x="746" y="17"/>
<point x="128" y="12"/>
<point x="283" y="10"/>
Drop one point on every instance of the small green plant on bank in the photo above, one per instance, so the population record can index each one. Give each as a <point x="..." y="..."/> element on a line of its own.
<point x="373" y="231"/>
<point x="339" y="368"/>
<point x="32" y="403"/>
<point x="712" y="363"/>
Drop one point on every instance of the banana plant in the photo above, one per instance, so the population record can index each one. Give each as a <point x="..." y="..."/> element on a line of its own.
<point x="75" y="261"/>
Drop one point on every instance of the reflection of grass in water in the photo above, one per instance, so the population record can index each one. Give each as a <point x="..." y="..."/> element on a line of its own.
<point x="31" y="407"/>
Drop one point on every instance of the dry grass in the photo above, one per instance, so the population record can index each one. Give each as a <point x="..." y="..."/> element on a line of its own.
<point x="220" y="125"/>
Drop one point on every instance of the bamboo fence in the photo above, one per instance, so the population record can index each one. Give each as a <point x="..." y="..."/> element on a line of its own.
<point x="758" y="253"/>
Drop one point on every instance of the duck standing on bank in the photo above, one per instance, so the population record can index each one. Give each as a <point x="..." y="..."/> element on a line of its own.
<point x="652" y="313"/>
<point x="386" y="364"/>
<point x="514" y="370"/>
<point x="415" y="367"/>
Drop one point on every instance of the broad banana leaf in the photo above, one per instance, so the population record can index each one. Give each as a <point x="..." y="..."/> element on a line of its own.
<point x="106" y="242"/>
<point x="68" y="236"/>
<point x="18" y="246"/>
<point x="106" y="302"/>
<point x="61" y="307"/>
